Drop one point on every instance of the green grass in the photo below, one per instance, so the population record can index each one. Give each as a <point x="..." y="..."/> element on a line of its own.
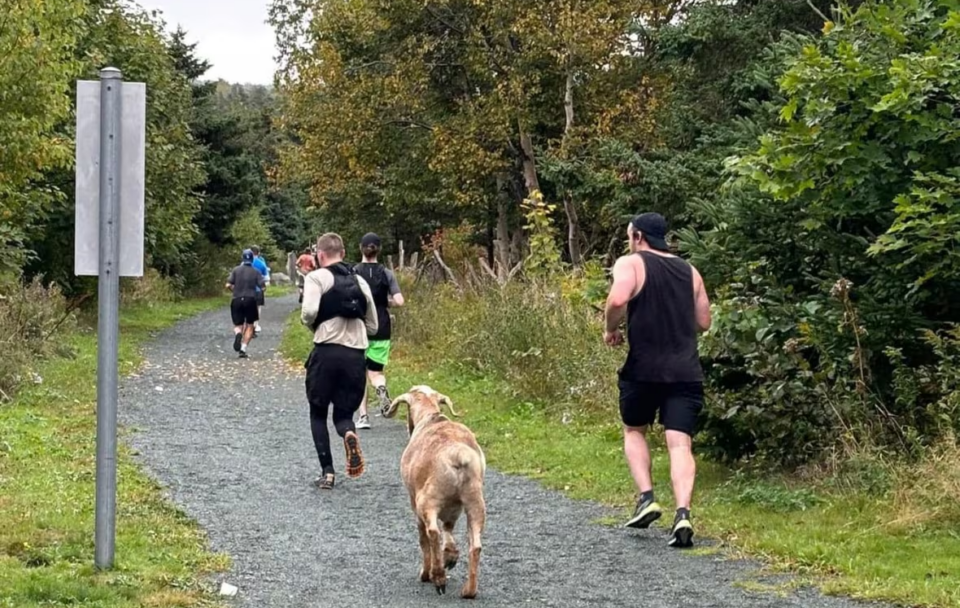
<point x="842" y="542"/>
<point x="47" y="475"/>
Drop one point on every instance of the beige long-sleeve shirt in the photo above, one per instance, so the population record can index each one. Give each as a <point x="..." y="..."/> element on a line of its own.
<point x="351" y="333"/>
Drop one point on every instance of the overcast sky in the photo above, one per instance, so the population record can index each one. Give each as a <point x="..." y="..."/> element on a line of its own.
<point x="231" y="34"/>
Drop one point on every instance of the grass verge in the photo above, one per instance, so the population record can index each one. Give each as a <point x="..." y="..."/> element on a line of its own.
<point x="47" y="475"/>
<point x="845" y="543"/>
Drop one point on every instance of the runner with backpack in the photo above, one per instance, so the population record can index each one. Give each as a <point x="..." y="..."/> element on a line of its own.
<point x="386" y="293"/>
<point x="339" y="308"/>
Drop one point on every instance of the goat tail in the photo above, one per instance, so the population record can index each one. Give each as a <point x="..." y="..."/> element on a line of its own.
<point x="469" y="464"/>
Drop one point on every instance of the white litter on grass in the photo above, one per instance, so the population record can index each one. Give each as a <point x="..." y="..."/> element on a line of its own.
<point x="228" y="590"/>
<point x="159" y="389"/>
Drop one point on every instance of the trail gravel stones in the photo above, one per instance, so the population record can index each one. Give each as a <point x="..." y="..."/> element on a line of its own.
<point x="230" y="440"/>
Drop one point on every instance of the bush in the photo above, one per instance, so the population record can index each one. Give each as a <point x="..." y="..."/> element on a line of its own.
<point x="151" y="288"/>
<point x="32" y="318"/>
<point x="547" y="347"/>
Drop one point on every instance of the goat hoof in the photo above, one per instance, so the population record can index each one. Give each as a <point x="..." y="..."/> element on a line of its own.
<point x="441" y="589"/>
<point x="468" y="594"/>
<point x="451" y="563"/>
<point x="424" y="576"/>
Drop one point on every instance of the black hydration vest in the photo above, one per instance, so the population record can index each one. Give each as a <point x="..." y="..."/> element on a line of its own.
<point x="345" y="299"/>
<point x="375" y="274"/>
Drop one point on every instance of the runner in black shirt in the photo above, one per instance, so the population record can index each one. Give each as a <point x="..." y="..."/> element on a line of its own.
<point x="245" y="281"/>
<point x="666" y="305"/>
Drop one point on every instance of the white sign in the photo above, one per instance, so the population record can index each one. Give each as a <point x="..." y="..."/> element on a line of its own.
<point x="133" y="122"/>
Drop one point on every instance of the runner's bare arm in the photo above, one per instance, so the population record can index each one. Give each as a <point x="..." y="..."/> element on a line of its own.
<point x="624" y="285"/>
<point x="702" y="302"/>
<point x="395" y="299"/>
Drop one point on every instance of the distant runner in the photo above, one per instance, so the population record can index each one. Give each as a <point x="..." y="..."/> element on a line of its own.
<point x="261" y="265"/>
<point x="306" y="264"/>
<point x="338" y="307"/>
<point x="666" y="305"/>
<point x="386" y="293"/>
<point x="244" y="281"/>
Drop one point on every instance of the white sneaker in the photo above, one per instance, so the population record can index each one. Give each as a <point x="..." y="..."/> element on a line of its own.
<point x="363" y="422"/>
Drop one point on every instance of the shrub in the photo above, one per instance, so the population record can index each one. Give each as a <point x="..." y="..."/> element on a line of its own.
<point x="32" y="318"/>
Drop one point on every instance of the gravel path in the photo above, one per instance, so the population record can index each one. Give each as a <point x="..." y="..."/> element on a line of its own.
<point x="230" y="439"/>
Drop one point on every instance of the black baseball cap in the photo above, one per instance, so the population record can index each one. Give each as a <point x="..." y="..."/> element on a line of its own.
<point x="653" y="227"/>
<point x="370" y="239"/>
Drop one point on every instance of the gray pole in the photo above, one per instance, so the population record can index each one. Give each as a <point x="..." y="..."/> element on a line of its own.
<point x="108" y="326"/>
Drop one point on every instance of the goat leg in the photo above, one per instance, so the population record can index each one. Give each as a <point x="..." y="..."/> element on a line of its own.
<point x="476" y="518"/>
<point x="425" y="550"/>
<point x="451" y="555"/>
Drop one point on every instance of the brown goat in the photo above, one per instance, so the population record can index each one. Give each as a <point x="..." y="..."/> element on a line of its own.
<point x="442" y="468"/>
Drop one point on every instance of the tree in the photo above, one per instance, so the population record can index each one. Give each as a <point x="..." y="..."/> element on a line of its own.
<point x="113" y="33"/>
<point x="39" y="40"/>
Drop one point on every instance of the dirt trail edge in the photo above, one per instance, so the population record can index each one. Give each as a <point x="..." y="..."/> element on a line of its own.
<point x="230" y="441"/>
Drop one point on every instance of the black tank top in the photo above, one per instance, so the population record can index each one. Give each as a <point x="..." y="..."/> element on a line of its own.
<point x="662" y="325"/>
<point x="375" y="274"/>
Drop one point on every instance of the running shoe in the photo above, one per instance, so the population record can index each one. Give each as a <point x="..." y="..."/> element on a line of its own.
<point x="355" y="462"/>
<point x="647" y="512"/>
<point x="325" y="482"/>
<point x="363" y="422"/>
<point x="237" y="339"/>
<point x="681" y="536"/>
<point x="384" y="398"/>
<point x="243" y="354"/>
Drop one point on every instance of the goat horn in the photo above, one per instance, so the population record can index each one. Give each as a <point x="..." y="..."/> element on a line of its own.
<point x="392" y="409"/>
<point x="446" y="400"/>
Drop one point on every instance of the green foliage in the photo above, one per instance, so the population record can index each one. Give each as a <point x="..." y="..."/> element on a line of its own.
<point x="815" y="308"/>
<point x="544" y="258"/>
<point x="868" y="138"/>
<point x="250" y="229"/>
<point x="39" y="40"/>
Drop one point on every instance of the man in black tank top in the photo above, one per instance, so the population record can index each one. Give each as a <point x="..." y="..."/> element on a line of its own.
<point x="386" y="294"/>
<point x="665" y="305"/>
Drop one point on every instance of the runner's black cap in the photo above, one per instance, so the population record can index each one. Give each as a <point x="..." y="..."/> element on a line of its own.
<point x="370" y="239"/>
<point x="653" y="227"/>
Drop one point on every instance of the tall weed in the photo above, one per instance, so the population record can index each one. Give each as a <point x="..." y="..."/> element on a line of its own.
<point x="546" y="347"/>
<point x="32" y="318"/>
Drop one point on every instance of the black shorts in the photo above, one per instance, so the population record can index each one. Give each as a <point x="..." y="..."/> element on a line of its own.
<point x="260" y="298"/>
<point x="678" y="403"/>
<point x="336" y="375"/>
<point x="244" y="310"/>
<point x="373" y="366"/>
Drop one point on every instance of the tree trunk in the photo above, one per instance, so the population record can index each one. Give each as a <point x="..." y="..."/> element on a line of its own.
<point x="529" y="162"/>
<point x="568" y="102"/>
<point x="573" y="220"/>
<point x="573" y="231"/>
<point x="503" y="239"/>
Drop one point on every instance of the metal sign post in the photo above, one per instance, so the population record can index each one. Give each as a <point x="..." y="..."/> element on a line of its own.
<point x="109" y="243"/>
<point x="108" y="323"/>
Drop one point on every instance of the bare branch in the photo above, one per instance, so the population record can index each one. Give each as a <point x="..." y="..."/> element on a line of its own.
<point x="817" y="10"/>
<point x="446" y="269"/>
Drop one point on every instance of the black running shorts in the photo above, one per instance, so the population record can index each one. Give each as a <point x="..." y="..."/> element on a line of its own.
<point x="260" y="298"/>
<point x="244" y="311"/>
<point x="679" y="404"/>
